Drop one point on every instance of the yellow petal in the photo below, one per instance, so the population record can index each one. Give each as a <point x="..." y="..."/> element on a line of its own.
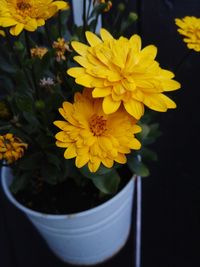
<point x="76" y="71"/>
<point x="110" y="106"/>
<point x="107" y="162"/>
<point x="105" y="35"/>
<point x="17" y="29"/>
<point x="101" y="92"/>
<point x="80" y="48"/>
<point x="170" y="85"/>
<point x="135" y="144"/>
<point x="134" y="108"/>
<point x="83" y="62"/>
<point x="70" y="152"/>
<point x="63" y="137"/>
<point x="7" y="22"/>
<point x="155" y="102"/>
<point x="62" y="144"/>
<point x="135" y="40"/>
<point x="170" y="103"/>
<point x="94" y="165"/>
<point x="121" y="158"/>
<point x="61" y="124"/>
<point x="136" y="129"/>
<point x="81" y="160"/>
<point x="61" y="5"/>
<point x="85" y="80"/>
<point x="92" y="38"/>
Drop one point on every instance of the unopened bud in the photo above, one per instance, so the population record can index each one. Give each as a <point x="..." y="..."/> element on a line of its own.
<point x="121" y="7"/>
<point x="132" y="16"/>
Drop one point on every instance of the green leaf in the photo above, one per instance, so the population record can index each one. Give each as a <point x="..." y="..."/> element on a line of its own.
<point x="137" y="166"/>
<point x="107" y="183"/>
<point x="148" y="154"/>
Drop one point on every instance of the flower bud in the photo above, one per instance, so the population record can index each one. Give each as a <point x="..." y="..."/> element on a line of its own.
<point x="121" y="7"/>
<point x="132" y="17"/>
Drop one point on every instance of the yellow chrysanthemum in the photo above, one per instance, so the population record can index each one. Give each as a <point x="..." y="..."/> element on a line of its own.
<point x="190" y="28"/>
<point x="11" y="148"/>
<point x="38" y="52"/>
<point x="27" y="14"/>
<point x="122" y="73"/>
<point x="91" y="136"/>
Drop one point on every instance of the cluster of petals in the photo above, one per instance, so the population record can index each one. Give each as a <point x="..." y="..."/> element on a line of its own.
<point x="123" y="74"/>
<point x="11" y="148"/>
<point x="93" y="137"/>
<point x="189" y="27"/>
<point x="28" y="14"/>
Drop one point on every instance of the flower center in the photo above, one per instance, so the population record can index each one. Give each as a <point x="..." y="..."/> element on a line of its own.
<point x="97" y="125"/>
<point x="23" y="8"/>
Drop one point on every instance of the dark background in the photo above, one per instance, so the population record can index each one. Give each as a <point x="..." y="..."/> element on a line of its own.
<point x="171" y="195"/>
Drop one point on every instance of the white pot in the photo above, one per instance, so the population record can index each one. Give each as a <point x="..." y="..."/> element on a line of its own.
<point x="87" y="237"/>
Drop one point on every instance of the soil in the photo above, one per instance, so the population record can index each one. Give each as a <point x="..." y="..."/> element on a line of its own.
<point x="67" y="197"/>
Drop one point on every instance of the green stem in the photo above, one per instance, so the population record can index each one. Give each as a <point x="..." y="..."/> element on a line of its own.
<point x="9" y="42"/>
<point x="28" y="49"/>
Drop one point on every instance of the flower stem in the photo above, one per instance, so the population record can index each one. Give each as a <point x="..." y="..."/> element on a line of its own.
<point x="28" y="49"/>
<point x="17" y="59"/>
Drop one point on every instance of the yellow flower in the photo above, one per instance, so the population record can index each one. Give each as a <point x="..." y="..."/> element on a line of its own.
<point x="27" y="14"/>
<point x="190" y="28"/>
<point x="38" y="52"/>
<point x="11" y="148"/>
<point x="61" y="46"/>
<point x="122" y="73"/>
<point x="91" y="136"/>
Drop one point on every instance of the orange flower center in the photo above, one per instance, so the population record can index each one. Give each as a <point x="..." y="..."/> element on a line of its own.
<point x="23" y="8"/>
<point x="97" y="125"/>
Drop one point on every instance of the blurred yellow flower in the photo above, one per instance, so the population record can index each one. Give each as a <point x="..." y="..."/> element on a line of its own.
<point x="61" y="46"/>
<point x="91" y="136"/>
<point x="190" y="28"/>
<point x="11" y="148"/>
<point x="38" y="52"/>
<point x="122" y="73"/>
<point x="28" y="15"/>
<point x="2" y="33"/>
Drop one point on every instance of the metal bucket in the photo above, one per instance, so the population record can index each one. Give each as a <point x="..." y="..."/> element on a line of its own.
<point x="87" y="237"/>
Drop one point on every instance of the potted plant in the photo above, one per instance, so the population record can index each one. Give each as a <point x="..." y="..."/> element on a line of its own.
<point x="76" y="121"/>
